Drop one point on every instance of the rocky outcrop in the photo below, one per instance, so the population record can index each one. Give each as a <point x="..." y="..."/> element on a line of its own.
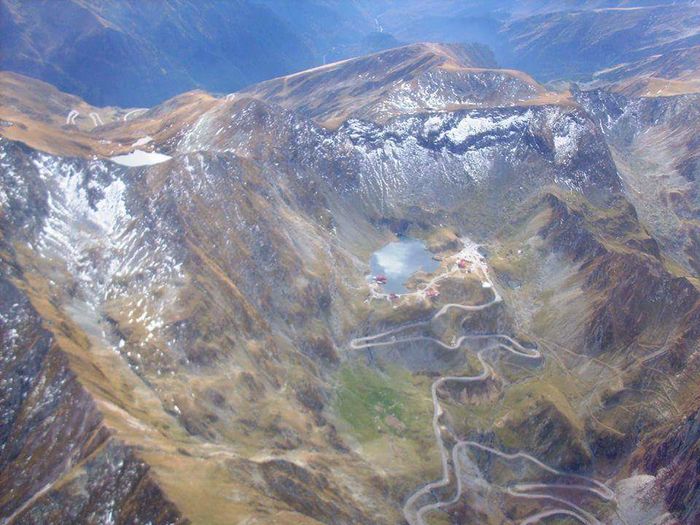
<point x="654" y="143"/>
<point x="621" y="268"/>
<point x="309" y="493"/>
<point x="58" y="462"/>
<point x="672" y="454"/>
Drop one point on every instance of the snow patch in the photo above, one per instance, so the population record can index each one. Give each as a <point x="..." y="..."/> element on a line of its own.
<point x="470" y="126"/>
<point x="639" y="503"/>
<point x="140" y="158"/>
<point x="103" y="247"/>
<point x="142" y="141"/>
<point x="110" y="211"/>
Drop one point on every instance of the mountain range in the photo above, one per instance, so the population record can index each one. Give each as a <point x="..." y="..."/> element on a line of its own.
<point x="129" y="53"/>
<point x="190" y="331"/>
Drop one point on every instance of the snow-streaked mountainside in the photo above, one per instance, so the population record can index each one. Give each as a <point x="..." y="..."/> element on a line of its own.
<point x="449" y="155"/>
<point x="190" y="333"/>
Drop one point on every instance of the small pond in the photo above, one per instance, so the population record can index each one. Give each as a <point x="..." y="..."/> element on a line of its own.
<point x="399" y="260"/>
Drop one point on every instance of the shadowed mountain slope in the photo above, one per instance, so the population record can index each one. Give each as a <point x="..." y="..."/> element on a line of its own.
<point x="610" y="42"/>
<point x="130" y="53"/>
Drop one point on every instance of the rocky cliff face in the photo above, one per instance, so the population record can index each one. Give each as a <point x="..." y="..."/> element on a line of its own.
<point x="653" y="140"/>
<point x="671" y="454"/>
<point x="60" y="462"/>
<point x="175" y="332"/>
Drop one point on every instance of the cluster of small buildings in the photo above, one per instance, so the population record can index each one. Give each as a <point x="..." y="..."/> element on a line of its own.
<point x="381" y="280"/>
<point x="431" y="293"/>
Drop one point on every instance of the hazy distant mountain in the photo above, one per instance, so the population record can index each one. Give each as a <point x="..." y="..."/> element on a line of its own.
<point x="575" y="45"/>
<point x="133" y="53"/>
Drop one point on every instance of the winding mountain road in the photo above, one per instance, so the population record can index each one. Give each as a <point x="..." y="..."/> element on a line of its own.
<point x="70" y="119"/>
<point x="413" y="511"/>
<point x="133" y="112"/>
<point x="96" y="119"/>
